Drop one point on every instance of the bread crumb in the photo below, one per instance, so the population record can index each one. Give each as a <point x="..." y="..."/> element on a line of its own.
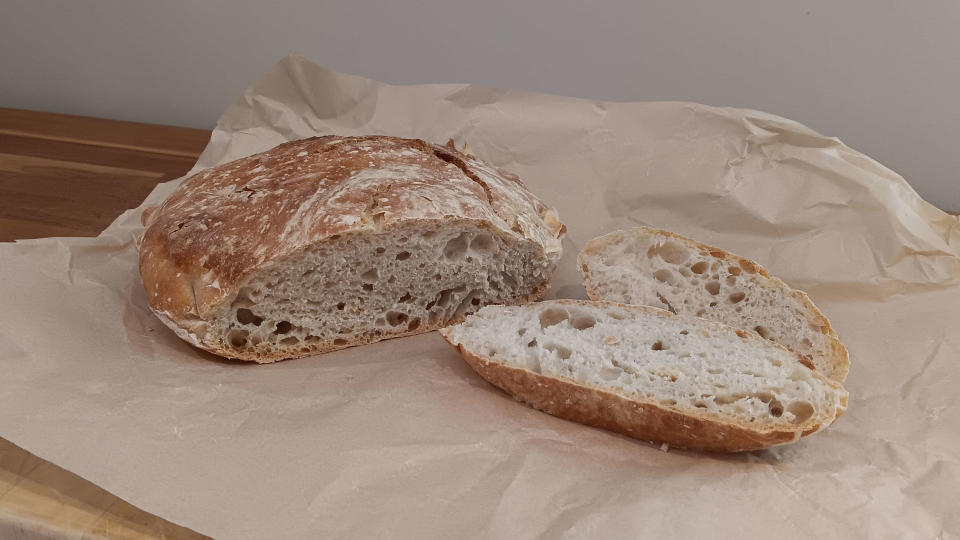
<point x="665" y="447"/>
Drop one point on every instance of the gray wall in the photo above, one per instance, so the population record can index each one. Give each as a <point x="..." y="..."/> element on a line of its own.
<point x="882" y="75"/>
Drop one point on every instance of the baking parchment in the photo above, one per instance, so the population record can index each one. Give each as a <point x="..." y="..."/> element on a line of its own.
<point x="401" y="439"/>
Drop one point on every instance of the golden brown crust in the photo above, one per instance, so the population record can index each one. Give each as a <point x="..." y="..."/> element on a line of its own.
<point x="641" y="420"/>
<point x="839" y="357"/>
<point x="225" y="223"/>
<point x="634" y="417"/>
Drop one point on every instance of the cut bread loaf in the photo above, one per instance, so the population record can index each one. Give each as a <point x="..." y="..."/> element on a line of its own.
<point x="665" y="270"/>
<point x="649" y="374"/>
<point x="329" y="242"/>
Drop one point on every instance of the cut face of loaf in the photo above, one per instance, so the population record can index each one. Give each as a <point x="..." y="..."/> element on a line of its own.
<point x="665" y="270"/>
<point x="331" y="242"/>
<point x="649" y="374"/>
<point x="356" y="288"/>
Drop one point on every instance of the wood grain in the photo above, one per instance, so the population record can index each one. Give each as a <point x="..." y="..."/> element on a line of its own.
<point x="66" y="175"/>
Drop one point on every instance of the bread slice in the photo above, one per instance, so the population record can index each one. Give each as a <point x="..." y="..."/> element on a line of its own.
<point x="649" y="374"/>
<point x="665" y="270"/>
<point x="330" y="242"/>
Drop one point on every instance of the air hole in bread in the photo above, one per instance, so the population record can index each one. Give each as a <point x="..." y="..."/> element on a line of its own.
<point x="380" y="250"/>
<point x="726" y="399"/>
<point x="699" y="267"/>
<point x="405" y="298"/>
<point x="403" y="239"/>
<point x="395" y="318"/>
<point x="668" y="402"/>
<point x="610" y="374"/>
<point x="289" y="341"/>
<point x="747" y="266"/>
<point x="341" y="305"/>
<point x="370" y="276"/>
<point x="380" y="322"/>
<point x="731" y="281"/>
<point x="806" y="342"/>
<point x="339" y="342"/>
<point x="482" y="244"/>
<point x="658" y="346"/>
<point x="713" y="287"/>
<point x="334" y="237"/>
<point x="521" y="331"/>
<point x="670" y="252"/>
<point x="447" y="294"/>
<point x="562" y="352"/>
<point x="700" y="312"/>
<point x="774" y="361"/>
<point x="700" y="405"/>
<point x="734" y="271"/>
<point x="801" y="411"/>
<point x="532" y="343"/>
<point x="238" y="338"/>
<point x="684" y="332"/>
<point x="736" y="297"/>
<point x="456" y="247"/>
<point x="414" y="324"/>
<point x="776" y="409"/>
<point x="467" y="305"/>
<point x="685" y="272"/>
<point x="283" y="327"/>
<point x="714" y="371"/>
<point x="583" y="321"/>
<point x="367" y="287"/>
<point x="403" y="255"/>
<point x="713" y="304"/>
<point x="664" y="275"/>
<point x="245" y="316"/>
<point x="552" y="316"/>
<point x="763" y="331"/>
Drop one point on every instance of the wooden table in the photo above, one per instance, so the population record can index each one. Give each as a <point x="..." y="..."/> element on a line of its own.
<point x="66" y="175"/>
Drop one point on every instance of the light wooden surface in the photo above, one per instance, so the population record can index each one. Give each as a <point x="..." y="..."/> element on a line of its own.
<point x="71" y="176"/>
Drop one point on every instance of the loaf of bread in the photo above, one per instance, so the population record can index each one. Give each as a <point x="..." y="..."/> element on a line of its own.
<point x="649" y="374"/>
<point x="329" y="242"/>
<point x="665" y="270"/>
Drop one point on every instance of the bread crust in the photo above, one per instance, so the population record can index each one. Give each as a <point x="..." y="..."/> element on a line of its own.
<point x="838" y="357"/>
<point x="226" y="223"/>
<point x="637" y="418"/>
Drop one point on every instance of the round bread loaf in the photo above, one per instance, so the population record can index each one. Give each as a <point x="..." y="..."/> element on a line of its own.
<point x="329" y="242"/>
